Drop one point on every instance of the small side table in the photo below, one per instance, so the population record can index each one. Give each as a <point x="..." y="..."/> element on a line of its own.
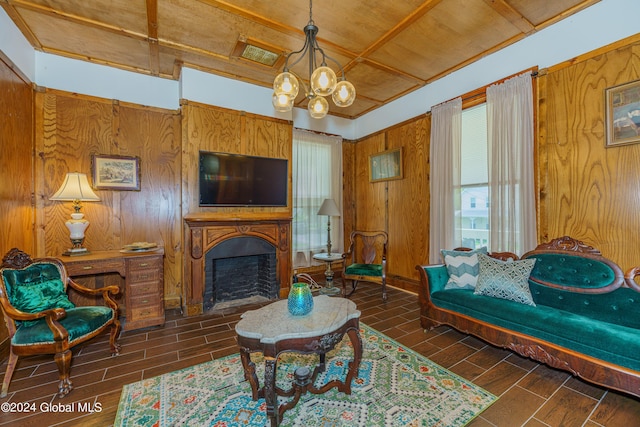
<point x="273" y="330"/>
<point x="328" y="289"/>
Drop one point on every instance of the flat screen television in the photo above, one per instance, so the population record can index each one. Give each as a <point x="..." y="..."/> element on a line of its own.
<point x="238" y="180"/>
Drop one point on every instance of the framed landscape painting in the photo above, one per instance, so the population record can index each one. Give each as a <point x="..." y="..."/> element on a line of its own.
<point x="386" y="165"/>
<point x="623" y="114"/>
<point x="115" y="172"/>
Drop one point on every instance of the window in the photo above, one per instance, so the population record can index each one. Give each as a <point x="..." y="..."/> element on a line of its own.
<point x="461" y="169"/>
<point x="474" y="190"/>
<point x="316" y="175"/>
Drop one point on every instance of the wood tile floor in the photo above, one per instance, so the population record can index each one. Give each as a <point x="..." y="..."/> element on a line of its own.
<point x="530" y="394"/>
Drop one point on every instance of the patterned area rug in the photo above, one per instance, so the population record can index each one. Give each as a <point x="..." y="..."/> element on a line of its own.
<point x="395" y="386"/>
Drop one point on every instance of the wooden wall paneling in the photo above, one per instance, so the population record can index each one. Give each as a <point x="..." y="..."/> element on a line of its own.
<point x="267" y="137"/>
<point x="75" y="127"/>
<point x="205" y="128"/>
<point x="153" y="213"/>
<point x="16" y="163"/>
<point x="593" y="192"/>
<point x="211" y="128"/>
<point x="542" y="158"/>
<point x="408" y="200"/>
<point x="348" y="190"/>
<point x="17" y="210"/>
<point x="370" y="196"/>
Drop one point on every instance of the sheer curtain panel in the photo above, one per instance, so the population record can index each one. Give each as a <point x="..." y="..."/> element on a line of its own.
<point x="512" y="212"/>
<point x="317" y="175"/>
<point x="446" y="126"/>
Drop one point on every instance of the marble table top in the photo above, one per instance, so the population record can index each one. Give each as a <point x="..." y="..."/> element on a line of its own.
<point x="323" y="256"/>
<point x="273" y="322"/>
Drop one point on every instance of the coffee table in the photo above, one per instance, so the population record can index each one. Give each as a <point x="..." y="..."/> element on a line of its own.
<point x="273" y="330"/>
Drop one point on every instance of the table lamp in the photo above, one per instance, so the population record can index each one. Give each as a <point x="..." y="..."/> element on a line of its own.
<point x="76" y="188"/>
<point x="329" y="209"/>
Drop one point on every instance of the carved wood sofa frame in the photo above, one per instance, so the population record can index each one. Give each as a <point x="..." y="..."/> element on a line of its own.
<point x="580" y="365"/>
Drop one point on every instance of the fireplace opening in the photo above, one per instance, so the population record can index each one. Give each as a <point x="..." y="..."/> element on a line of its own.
<point x="240" y="268"/>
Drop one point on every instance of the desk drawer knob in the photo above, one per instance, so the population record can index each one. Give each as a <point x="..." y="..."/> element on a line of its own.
<point x="144" y="264"/>
<point x="87" y="267"/>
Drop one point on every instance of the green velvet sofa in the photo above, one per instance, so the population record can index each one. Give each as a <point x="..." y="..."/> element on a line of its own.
<point x="586" y="318"/>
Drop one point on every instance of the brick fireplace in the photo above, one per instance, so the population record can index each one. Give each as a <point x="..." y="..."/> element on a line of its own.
<point x="239" y="268"/>
<point x="260" y="249"/>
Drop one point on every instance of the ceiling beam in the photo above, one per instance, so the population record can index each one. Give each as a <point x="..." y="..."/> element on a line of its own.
<point x="152" y="29"/>
<point x="512" y="15"/>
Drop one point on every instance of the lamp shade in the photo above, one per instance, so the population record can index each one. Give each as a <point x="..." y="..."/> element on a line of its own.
<point x="75" y="187"/>
<point x="329" y="208"/>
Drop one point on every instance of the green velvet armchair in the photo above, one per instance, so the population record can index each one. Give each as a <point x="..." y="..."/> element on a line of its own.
<point x="40" y="317"/>
<point x="366" y="260"/>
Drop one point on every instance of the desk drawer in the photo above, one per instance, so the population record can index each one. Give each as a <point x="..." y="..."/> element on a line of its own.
<point x="145" y="301"/>
<point x="145" y="263"/>
<point x="145" y="306"/>
<point x="94" y="267"/>
<point x="142" y="313"/>
<point x="144" y="289"/>
<point x="148" y="275"/>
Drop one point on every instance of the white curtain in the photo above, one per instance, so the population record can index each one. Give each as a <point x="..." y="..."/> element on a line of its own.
<point x="446" y="137"/>
<point x="317" y="175"/>
<point x="512" y="214"/>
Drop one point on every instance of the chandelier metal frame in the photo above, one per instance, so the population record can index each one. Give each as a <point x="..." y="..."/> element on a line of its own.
<point x="322" y="79"/>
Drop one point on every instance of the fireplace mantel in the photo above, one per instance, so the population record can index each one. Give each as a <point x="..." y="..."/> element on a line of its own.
<point x="203" y="232"/>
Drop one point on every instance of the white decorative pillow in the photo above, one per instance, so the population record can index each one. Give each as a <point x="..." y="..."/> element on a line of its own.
<point x="463" y="268"/>
<point x="505" y="279"/>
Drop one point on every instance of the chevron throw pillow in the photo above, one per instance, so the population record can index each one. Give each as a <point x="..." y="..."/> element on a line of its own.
<point x="463" y="268"/>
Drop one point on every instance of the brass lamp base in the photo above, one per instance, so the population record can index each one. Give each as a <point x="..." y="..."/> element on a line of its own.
<point x="76" y="252"/>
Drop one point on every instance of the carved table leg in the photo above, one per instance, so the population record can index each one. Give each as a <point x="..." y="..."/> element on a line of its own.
<point x="354" y="366"/>
<point x="250" y="372"/>
<point x="270" y="396"/>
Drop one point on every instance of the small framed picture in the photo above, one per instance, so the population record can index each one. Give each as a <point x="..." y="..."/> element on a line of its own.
<point x="386" y="165"/>
<point x="115" y="172"/>
<point x="623" y="114"/>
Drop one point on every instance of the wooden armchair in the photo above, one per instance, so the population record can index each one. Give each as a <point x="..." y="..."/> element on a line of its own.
<point x="366" y="260"/>
<point x="42" y="320"/>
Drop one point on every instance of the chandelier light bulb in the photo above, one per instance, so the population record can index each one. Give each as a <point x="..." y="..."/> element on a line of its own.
<point x="323" y="81"/>
<point x="318" y="107"/>
<point x="282" y="103"/>
<point x="344" y="95"/>
<point x="286" y="84"/>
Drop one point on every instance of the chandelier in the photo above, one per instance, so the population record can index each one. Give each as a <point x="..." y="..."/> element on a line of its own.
<point x="322" y="80"/>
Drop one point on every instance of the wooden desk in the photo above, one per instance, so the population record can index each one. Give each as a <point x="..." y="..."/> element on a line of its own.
<point x="143" y="274"/>
<point x="272" y="330"/>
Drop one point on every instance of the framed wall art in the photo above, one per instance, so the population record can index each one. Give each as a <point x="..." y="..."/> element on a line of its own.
<point x="115" y="172"/>
<point x="623" y="114"/>
<point x="386" y="165"/>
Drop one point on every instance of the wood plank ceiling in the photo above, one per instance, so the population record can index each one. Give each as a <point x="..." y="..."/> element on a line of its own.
<point x="387" y="48"/>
